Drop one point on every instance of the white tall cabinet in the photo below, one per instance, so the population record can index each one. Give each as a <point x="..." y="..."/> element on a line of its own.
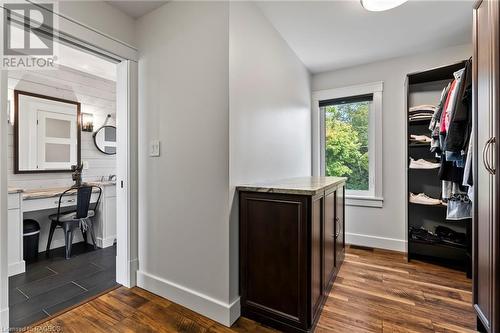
<point x="15" y="233"/>
<point x="105" y="223"/>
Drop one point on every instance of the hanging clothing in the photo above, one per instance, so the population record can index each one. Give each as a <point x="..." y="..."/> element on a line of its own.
<point x="451" y="127"/>
<point x="453" y="98"/>
<point x="459" y="208"/>
<point x="459" y="127"/>
<point x="443" y="118"/>
<point x="434" y="125"/>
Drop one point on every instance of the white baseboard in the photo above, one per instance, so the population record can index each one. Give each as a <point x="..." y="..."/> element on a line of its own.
<point x="226" y="314"/>
<point x="376" y="242"/>
<point x="17" y="268"/>
<point x="103" y="243"/>
<point x="134" y="270"/>
<point x="4" y="320"/>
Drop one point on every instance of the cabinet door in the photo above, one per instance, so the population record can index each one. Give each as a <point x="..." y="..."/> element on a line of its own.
<point x="483" y="296"/>
<point x="110" y="222"/>
<point x="339" y="227"/>
<point x="15" y="232"/>
<point x="328" y="240"/>
<point x="274" y="235"/>
<point x="316" y="280"/>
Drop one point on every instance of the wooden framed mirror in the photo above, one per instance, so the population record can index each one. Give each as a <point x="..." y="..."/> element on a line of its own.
<point x="47" y="133"/>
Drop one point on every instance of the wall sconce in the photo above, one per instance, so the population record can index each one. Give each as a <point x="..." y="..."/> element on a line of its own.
<point x="87" y="122"/>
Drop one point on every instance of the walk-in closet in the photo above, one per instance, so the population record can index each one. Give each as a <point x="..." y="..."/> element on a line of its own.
<point x="439" y="127"/>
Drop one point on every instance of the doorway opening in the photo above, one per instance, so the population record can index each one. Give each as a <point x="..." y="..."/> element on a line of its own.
<point x="75" y="116"/>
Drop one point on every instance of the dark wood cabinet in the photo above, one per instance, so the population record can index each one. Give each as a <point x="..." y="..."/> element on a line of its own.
<point x="339" y="227"/>
<point x="486" y="226"/>
<point x="289" y="244"/>
<point x="329" y="240"/>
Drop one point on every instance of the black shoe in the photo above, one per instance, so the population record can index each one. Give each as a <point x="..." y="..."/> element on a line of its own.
<point x="423" y="234"/>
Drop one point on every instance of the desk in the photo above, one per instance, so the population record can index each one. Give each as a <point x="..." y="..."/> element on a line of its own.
<point x="36" y="203"/>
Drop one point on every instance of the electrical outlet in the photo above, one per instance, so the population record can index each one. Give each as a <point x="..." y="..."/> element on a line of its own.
<point x="154" y="148"/>
<point x="85" y="165"/>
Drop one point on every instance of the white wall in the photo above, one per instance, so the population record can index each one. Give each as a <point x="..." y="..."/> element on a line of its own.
<point x="184" y="193"/>
<point x="230" y="103"/>
<point x="102" y="17"/>
<point x="96" y="95"/>
<point x="385" y="227"/>
<point x="270" y="117"/>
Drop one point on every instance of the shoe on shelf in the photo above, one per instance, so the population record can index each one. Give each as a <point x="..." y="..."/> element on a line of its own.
<point x="420" y="138"/>
<point x="423" y="199"/>
<point x="450" y="236"/>
<point x="423" y="164"/>
<point x="423" y="234"/>
<point x="424" y="107"/>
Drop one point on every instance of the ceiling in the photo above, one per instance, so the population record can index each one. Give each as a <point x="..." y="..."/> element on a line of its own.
<point x="86" y="62"/>
<point x="329" y="35"/>
<point x="334" y="34"/>
<point x="136" y="9"/>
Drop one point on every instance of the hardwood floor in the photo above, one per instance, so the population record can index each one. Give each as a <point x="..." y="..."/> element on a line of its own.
<point x="375" y="291"/>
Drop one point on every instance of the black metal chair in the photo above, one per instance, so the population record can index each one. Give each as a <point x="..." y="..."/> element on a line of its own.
<point x="79" y="218"/>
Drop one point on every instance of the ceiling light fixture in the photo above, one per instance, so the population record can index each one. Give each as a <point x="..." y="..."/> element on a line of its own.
<point x="381" y="5"/>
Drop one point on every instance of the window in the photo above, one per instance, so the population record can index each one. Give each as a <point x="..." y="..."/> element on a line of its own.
<point x="349" y="134"/>
<point x="346" y="141"/>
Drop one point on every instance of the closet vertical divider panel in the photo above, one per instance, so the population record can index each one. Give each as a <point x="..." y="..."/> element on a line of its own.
<point x="424" y="88"/>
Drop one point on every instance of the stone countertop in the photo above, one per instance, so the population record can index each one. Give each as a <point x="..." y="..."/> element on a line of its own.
<point x="13" y="190"/>
<point x="42" y="193"/>
<point x="301" y="186"/>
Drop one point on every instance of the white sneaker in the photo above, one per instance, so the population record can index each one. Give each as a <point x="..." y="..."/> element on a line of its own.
<point x="420" y="138"/>
<point x="423" y="164"/>
<point x="423" y="199"/>
<point x="425" y="107"/>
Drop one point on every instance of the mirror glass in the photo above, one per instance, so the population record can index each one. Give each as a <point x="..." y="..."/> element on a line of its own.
<point x="105" y="140"/>
<point x="47" y="133"/>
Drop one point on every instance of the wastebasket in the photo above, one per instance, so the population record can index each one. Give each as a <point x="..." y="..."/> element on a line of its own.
<point x="31" y="235"/>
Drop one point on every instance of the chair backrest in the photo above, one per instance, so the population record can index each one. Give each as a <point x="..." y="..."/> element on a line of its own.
<point x="83" y="201"/>
<point x="83" y="196"/>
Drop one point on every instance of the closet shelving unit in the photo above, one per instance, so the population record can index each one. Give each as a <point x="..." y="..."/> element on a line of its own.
<point x="425" y="88"/>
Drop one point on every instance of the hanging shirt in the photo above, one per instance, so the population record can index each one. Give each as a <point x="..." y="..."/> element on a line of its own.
<point x="445" y="108"/>
<point x="453" y="98"/>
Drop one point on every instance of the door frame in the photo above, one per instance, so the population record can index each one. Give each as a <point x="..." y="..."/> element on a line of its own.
<point x="92" y="41"/>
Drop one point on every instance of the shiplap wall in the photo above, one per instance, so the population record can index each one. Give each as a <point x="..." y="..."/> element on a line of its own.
<point x="96" y="95"/>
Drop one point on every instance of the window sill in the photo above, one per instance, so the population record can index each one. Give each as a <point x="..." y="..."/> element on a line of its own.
<point x="361" y="201"/>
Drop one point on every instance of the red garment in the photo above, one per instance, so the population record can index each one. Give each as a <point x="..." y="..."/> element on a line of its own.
<point x="443" y="114"/>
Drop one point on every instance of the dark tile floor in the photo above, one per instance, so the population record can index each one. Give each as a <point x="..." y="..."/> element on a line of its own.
<point x="54" y="284"/>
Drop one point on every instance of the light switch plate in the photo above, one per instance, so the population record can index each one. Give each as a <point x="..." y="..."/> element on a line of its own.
<point x="154" y="148"/>
<point x="85" y="165"/>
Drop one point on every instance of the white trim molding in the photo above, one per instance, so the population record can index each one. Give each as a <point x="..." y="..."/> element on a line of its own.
<point x="17" y="268"/>
<point x="373" y="197"/>
<point x="4" y="320"/>
<point x="376" y="242"/>
<point x="224" y="313"/>
<point x="361" y="201"/>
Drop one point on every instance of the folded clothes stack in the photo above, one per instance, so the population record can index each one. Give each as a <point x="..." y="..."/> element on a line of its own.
<point x="421" y="112"/>
<point x="442" y="234"/>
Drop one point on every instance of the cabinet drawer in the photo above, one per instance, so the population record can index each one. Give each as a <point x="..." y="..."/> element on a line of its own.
<point x="53" y="202"/>
<point x="13" y="201"/>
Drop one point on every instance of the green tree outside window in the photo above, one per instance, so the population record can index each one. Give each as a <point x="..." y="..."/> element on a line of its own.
<point x="346" y="143"/>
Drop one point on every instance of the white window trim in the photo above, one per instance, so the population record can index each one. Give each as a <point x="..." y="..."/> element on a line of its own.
<point x="374" y="197"/>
